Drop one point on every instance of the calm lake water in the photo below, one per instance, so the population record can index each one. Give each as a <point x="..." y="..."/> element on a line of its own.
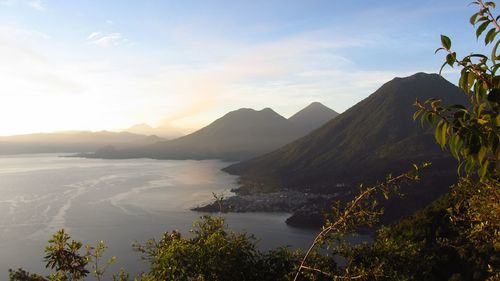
<point x="118" y="201"/>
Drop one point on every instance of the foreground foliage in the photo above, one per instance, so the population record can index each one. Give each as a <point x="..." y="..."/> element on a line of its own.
<point x="213" y="253"/>
<point x="434" y="245"/>
<point x="471" y="132"/>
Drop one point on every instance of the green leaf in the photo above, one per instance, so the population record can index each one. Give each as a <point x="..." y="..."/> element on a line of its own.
<point x="480" y="90"/>
<point x="478" y="56"/>
<point x="457" y="106"/>
<point x="416" y="114"/>
<point x="490" y="36"/>
<point x="446" y="42"/>
<point x="463" y="81"/>
<point x="442" y="66"/>
<point x="483" y="169"/>
<point x="483" y="18"/>
<point x="469" y="165"/>
<point x="440" y="133"/>
<point x="481" y="28"/>
<point x="459" y="168"/>
<point x="494" y="52"/>
<point x="422" y="119"/>
<point x="470" y="82"/>
<point x="450" y="58"/>
<point x="473" y="18"/>
<point x="481" y="154"/>
<point x="455" y="145"/>
<point x="431" y="118"/>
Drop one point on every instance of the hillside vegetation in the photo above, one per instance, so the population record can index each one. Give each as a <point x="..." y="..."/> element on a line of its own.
<point x="371" y="139"/>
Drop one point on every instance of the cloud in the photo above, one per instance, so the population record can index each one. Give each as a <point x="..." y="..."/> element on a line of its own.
<point x="94" y="35"/>
<point x="305" y="67"/>
<point x="37" y="5"/>
<point x="106" y="39"/>
<point x="110" y="22"/>
<point x="296" y="69"/>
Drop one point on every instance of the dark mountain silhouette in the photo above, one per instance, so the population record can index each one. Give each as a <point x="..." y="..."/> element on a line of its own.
<point x="312" y="117"/>
<point x="74" y="141"/>
<point x="240" y="134"/>
<point x="375" y="137"/>
<point x="237" y="135"/>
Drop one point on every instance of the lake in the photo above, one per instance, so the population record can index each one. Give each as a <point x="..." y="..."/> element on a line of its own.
<point x="118" y="201"/>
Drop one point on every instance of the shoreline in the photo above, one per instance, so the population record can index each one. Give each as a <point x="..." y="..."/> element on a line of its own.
<point x="306" y="208"/>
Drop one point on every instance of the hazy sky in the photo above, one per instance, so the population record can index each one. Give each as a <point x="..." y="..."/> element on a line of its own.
<point x="110" y="64"/>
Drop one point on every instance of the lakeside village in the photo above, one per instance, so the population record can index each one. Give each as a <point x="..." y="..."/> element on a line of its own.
<point x="306" y="207"/>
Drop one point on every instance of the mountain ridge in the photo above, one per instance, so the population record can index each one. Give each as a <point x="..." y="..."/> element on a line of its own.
<point x="71" y="141"/>
<point x="166" y="132"/>
<point x="239" y="134"/>
<point x="375" y="137"/>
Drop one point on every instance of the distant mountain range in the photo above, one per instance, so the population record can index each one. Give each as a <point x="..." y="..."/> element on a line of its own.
<point x="375" y="137"/>
<point x="240" y="134"/>
<point x="166" y="132"/>
<point x="74" y="141"/>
